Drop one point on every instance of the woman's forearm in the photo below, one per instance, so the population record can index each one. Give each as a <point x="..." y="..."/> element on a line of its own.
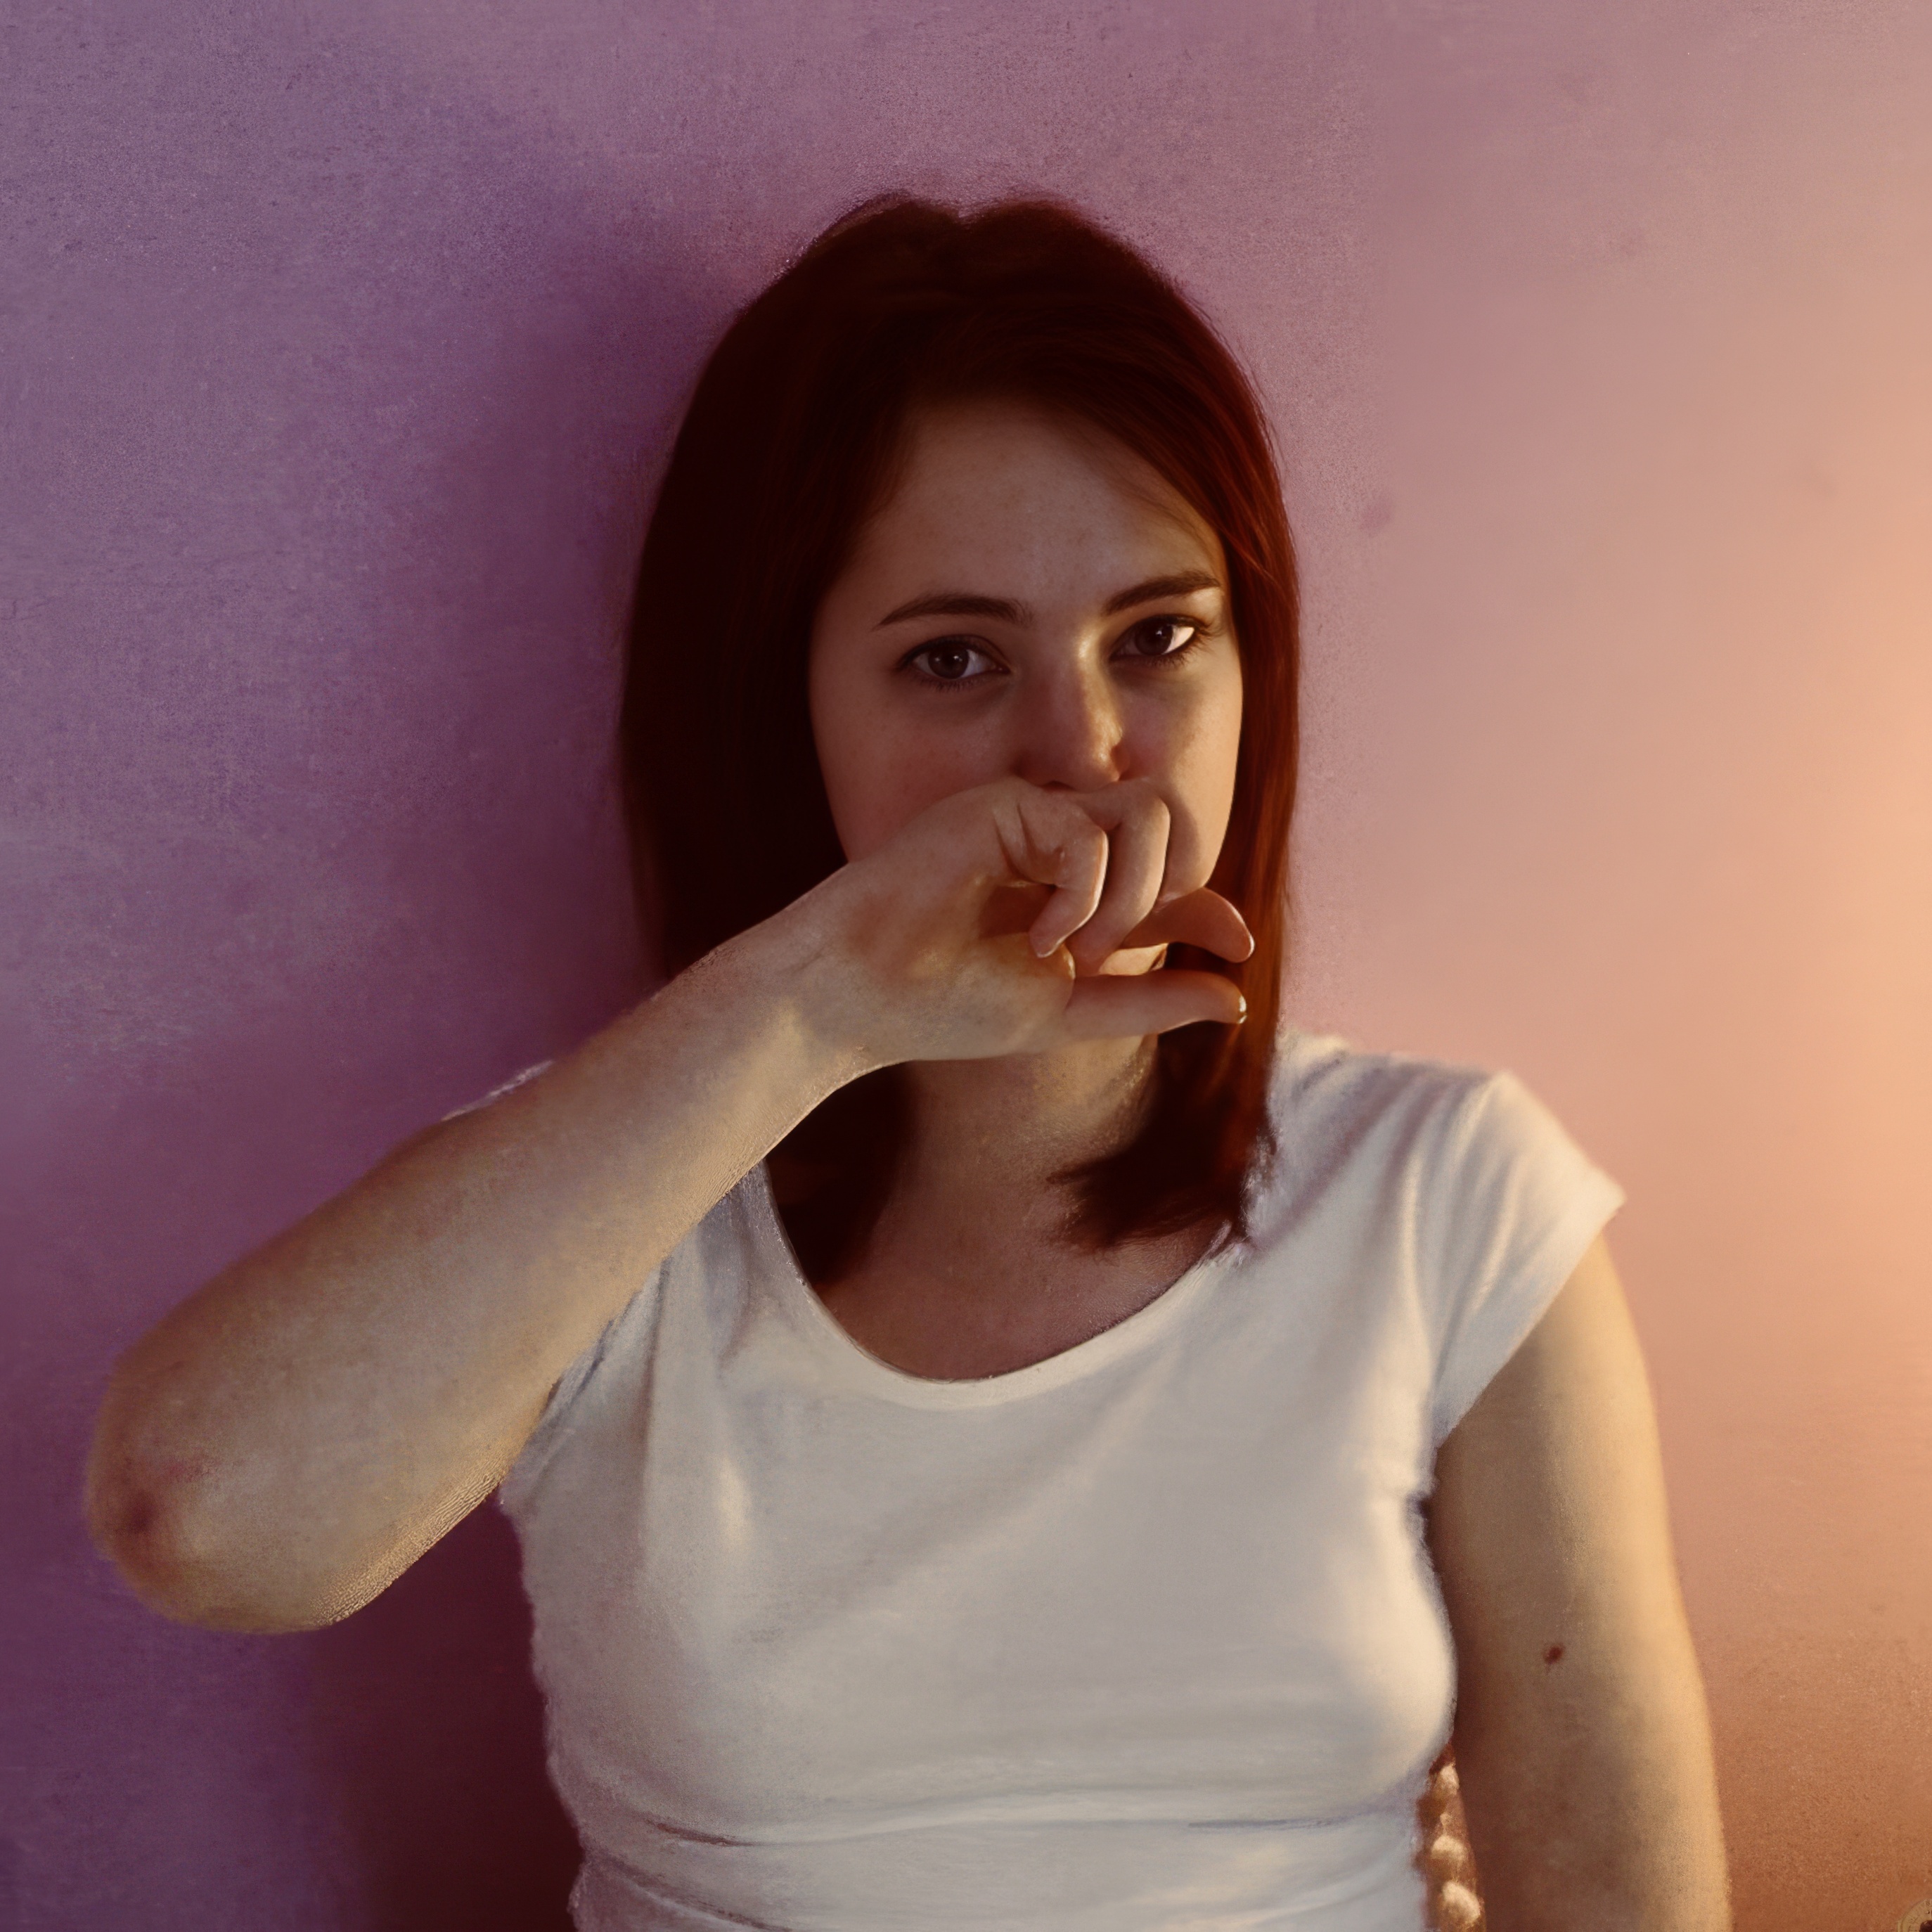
<point x="285" y="1443"/>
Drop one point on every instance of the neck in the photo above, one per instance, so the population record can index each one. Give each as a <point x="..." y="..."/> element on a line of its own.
<point x="988" y="1136"/>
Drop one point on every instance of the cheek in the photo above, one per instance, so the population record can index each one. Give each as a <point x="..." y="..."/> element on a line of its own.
<point x="848" y="744"/>
<point x="1203" y="751"/>
<point x="872" y="794"/>
<point x="881" y="768"/>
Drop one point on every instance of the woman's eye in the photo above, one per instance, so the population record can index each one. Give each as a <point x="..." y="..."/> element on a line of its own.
<point x="1170" y="636"/>
<point x="949" y="659"/>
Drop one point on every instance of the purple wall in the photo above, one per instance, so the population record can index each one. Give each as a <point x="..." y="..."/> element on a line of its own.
<point x="342" y="344"/>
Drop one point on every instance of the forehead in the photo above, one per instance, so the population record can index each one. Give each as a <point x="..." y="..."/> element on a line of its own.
<point x="1010" y="483"/>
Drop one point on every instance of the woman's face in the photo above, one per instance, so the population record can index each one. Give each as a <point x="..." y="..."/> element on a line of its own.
<point x="1034" y="600"/>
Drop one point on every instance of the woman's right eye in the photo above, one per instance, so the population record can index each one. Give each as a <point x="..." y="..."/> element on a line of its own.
<point x="947" y="660"/>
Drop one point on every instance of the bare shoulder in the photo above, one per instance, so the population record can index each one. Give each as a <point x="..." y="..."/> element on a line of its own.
<point x="1582" y="1733"/>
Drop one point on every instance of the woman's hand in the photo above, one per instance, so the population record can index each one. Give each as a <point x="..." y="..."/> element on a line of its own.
<point x="984" y="926"/>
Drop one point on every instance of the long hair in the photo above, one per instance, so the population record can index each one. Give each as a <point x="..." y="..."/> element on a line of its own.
<point x="790" y="440"/>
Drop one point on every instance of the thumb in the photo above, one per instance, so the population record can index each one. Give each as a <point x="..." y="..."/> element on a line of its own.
<point x="1120" y="1006"/>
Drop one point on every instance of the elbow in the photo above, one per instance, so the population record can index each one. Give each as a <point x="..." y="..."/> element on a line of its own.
<point x="141" y="1527"/>
<point x="135" y="1518"/>
<point x="144" y="1522"/>
<point x="188" y="1585"/>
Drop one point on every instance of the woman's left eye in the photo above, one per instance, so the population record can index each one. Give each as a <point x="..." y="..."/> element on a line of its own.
<point x="1171" y="635"/>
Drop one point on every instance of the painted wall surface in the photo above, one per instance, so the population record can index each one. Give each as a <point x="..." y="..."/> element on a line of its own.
<point x="340" y="346"/>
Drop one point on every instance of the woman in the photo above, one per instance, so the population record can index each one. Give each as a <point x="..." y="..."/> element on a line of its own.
<point x="1001" y="1431"/>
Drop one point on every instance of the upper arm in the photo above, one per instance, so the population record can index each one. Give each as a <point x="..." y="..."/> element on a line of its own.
<point x="1582" y="1737"/>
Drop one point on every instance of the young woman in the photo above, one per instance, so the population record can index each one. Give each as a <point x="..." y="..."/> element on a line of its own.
<point x="1003" y="1431"/>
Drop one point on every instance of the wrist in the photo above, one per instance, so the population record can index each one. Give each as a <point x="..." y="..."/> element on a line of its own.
<point x="791" y="961"/>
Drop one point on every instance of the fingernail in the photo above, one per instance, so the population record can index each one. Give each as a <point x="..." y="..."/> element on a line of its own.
<point x="1244" y="998"/>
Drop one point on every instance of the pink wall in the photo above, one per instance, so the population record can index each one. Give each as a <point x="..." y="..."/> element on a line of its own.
<point x="344" y="342"/>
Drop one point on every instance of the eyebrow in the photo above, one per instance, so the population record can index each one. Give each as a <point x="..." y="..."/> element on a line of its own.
<point x="964" y="604"/>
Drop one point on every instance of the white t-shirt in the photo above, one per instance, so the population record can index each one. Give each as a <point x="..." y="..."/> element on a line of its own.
<point x="1142" y="1637"/>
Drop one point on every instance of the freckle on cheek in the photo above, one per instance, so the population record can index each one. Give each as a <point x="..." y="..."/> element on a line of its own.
<point x="1551" y="1655"/>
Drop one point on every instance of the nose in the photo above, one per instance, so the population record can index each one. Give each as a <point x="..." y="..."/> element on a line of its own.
<point x="1070" y="732"/>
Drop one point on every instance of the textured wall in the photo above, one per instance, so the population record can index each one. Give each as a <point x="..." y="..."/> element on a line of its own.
<point x="340" y="345"/>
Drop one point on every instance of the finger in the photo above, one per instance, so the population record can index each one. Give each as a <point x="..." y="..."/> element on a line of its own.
<point x="1203" y="918"/>
<point x="1113" y="1007"/>
<point x="1137" y="847"/>
<point x="1135" y="811"/>
<point x="1052" y="840"/>
<point x="1189" y="860"/>
<point x="1081" y="870"/>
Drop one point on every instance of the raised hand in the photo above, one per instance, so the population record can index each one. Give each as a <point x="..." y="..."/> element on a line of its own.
<point x="986" y="926"/>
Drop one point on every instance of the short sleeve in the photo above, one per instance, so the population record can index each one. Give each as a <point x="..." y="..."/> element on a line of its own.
<point x="1515" y="1206"/>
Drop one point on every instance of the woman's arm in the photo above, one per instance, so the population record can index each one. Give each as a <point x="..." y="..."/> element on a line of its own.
<point x="1582" y="1740"/>
<point x="288" y="1440"/>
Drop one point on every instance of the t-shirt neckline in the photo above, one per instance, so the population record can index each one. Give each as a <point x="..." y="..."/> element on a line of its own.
<point x="857" y="1367"/>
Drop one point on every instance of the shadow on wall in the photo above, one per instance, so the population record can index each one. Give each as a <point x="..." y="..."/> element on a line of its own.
<point x="477" y="714"/>
<point x="429" y="1727"/>
<point x="428" y="1723"/>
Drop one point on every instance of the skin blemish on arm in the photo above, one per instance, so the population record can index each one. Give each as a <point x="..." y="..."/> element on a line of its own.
<point x="1552" y="1654"/>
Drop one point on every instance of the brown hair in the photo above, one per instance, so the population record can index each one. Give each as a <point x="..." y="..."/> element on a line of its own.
<point x="792" y="434"/>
